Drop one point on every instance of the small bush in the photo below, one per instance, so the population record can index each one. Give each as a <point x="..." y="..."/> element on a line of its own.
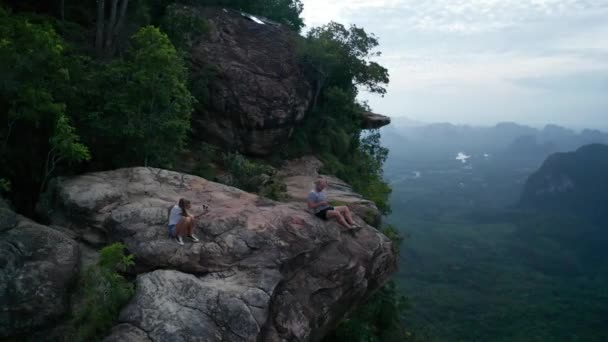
<point x="183" y="26"/>
<point x="245" y="174"/>
<point x="275" y="189"/>
<point x="254" y="177"/>
<point x="206" y="155"/>
<point x="104" y="291"/>
<point x="5" y="186"/>
<point x="393" y="234"/>
<point x="370" y="217"/>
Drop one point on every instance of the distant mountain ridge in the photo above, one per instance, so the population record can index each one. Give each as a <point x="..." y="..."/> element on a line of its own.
<point x="507" y="138"/>
<point x="572" y="182"/>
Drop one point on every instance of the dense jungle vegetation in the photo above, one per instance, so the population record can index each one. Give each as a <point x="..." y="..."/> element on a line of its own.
<point x="89" y="86"/>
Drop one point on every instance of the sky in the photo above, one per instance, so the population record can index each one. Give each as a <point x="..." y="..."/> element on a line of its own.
<point x="485" y="61"/>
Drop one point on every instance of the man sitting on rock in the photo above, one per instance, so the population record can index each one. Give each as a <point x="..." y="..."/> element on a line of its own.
<point x="317" y="201"/>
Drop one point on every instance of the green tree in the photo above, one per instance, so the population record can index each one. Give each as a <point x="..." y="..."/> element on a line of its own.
<point x="36" y="135"/>
<point x="142" y="114"/>
<point x="339" y="62"/>
<point x="340" y="56"/>
<point x="65" y="145"/>
<point x="286" y="12"/>
<point x="254" y="176"/>
<point x="183" y="26"/>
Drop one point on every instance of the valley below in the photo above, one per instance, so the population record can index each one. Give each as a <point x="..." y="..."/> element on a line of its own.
<point x="478" y="266"/>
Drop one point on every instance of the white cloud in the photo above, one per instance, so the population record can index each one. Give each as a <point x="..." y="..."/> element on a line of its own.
<point x="469" y="52"/>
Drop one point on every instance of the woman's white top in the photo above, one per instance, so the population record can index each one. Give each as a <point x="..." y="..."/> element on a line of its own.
<point x="175" y="215"/>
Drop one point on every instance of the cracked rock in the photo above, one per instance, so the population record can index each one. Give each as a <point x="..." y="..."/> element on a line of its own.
<point x="260" y="273"/>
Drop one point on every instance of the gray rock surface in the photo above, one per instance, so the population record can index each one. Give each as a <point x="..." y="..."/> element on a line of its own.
<point x="259" y="92"/>
<point x="223" y="306"/>
<point x="263" y="271"/>
<point x="37" y="266"/>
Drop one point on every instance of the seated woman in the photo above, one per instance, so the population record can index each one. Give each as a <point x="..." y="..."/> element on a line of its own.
<point x="181" y="223"/>
<point x="317" y="201"/>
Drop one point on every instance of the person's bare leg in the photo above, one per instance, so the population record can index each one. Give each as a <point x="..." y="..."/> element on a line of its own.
<point x="336" y="214"/>
<point x="346" y="213"/>
<point x="191" y="229"/>
<point x="182" y="228"/>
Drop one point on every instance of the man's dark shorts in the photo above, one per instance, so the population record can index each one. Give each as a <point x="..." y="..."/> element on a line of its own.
<point x="323" y="213"/>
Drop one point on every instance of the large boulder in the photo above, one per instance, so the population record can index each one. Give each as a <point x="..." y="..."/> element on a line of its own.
<point x="222" y="306"/>
<point x="259" y="92"/>
<point x="37" y="266"/>
<point x="300" y="175"/>
<point x="263" y="271"/>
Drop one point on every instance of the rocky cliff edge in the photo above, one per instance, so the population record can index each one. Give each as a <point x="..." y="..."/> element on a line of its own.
<point x="263" y="270"/>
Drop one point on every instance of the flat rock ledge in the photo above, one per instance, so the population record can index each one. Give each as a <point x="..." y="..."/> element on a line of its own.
<point x="374" y="121"/>
<point x="300" y="175"/>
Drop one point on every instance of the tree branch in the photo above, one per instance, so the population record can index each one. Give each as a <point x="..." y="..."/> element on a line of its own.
<point x="10" y="124"/>
<point x="49" y="157"/>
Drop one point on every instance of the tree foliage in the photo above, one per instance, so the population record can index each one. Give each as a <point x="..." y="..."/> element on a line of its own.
<point x="338" y="61"/>
<point x="287" y="12"/>
<point x="341" y="57"/>
<point x="253" y="176"/>
<point x="36" y="135"/>
<point x="141" y="105"/>
<point x="104" y="292"/>
<point x="183" y="26"/>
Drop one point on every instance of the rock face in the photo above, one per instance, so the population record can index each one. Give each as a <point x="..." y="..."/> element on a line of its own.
<point x="373" y="120"/>
<point x="37" y="265"/>
<point x="263" y="271"/>
<point x="573" y="182"/>
<point x="300" y="175"/>
<point x="259" y="93"/>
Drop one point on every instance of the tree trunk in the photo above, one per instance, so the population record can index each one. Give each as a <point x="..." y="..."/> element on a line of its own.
<point x="318" y="87"/>
<point x="101" y="13"/>
<point x="62" y="10"/>
<point x="118" y="27"/>
<point x="121" y="19"/>
<point x="111" y="24"/>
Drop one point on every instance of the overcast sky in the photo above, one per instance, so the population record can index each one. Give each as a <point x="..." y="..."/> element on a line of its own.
<point x="485" y="61"/>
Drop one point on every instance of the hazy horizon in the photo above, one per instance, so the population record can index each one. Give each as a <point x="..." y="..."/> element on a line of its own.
<point x="481" y="62"/>
<point x="404" y="121"/>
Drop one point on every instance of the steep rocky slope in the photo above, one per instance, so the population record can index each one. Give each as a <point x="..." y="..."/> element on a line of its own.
<point x="575" y="182"/>
<point x="263" y="271"/>
<point x="37" y="267"/>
